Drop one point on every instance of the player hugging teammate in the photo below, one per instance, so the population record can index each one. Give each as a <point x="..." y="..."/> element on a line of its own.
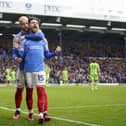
<point x="32" y="49"/>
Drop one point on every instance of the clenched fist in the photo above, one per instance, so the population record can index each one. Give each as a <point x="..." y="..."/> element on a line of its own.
<point x="58" y="49"/>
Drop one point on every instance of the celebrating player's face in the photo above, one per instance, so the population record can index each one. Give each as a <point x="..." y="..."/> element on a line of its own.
<point x="24" y="26"/>
<point x="34" y="26"/>
<point x="24" y="23"/>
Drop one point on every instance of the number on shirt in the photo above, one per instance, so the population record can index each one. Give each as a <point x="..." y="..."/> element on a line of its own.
<point x="40" y="78"/>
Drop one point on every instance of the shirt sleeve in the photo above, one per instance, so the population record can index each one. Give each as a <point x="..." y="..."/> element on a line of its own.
<point x="14" y="53"/>
<point x="46" y="47"/>
<point x="14" y="50"/>
<point x="49" y="55"/>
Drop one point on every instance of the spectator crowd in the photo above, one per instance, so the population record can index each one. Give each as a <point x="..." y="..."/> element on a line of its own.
<point x="76" y="56"/>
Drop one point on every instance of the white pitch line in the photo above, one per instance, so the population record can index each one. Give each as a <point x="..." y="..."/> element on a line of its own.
<point x="73" y="121"/>
<point x="57" y="118"/>
<point x="85" y="106"/>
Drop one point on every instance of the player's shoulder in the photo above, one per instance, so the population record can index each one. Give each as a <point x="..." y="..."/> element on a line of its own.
<point x="18" y="34"/>
<point x="91" y="63"/>
<point x="41" y="32"/>
<point x="15" y="38"/>
<point x="97" y="64"/>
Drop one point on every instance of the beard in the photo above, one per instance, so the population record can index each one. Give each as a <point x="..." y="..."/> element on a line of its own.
<point x="25" y="29"/>
<point x="34" y="29"/>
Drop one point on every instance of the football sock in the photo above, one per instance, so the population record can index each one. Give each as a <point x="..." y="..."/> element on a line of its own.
<point x="29" y="98"/>
<point x="18" y="97"/>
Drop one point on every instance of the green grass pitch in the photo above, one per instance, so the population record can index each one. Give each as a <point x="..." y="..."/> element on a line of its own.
<point x="71" y="106"/>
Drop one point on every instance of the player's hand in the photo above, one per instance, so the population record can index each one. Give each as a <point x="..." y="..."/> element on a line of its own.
<point x="16" y="45"/>
<point x="21" y="38"/>
<point x="18" y="59"/>
<point x="58" y="49"/>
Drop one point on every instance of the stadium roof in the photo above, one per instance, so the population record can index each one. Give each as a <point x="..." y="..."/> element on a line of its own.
<point x="9" y="24"/>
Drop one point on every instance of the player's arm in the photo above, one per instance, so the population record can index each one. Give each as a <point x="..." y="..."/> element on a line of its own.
<point x="21" y="54"/>
<point x="17" y="55"/>
<point x="89" y="73"/>
<point x="98" y="69"/>
<point x="14" y="53"/>
<point x="89" y="68"/>
<point x="35" y="37"/>
<point x="15" y="50"/>
<point x="22" y="51"/>
<point x="49" y="54"/>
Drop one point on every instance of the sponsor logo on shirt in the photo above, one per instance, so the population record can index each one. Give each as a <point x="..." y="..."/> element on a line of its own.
<point x="35" y="47"/>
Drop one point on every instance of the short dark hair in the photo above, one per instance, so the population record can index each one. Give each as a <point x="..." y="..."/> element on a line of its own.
<point x="94" y="60"/>
<point x="33" y="18"/>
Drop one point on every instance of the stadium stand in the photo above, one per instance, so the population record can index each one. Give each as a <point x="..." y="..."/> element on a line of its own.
<point x="78" y="49"/>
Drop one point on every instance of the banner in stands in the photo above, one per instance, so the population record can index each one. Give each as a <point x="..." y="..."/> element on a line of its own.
<point x="109" y="84"/>
<point x="85" y="9"/>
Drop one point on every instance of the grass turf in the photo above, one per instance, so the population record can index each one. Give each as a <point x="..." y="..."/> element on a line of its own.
<point x="104" y="107"/>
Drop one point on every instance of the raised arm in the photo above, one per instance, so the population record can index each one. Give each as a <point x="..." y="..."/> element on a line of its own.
<point x="49" y="54"/>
